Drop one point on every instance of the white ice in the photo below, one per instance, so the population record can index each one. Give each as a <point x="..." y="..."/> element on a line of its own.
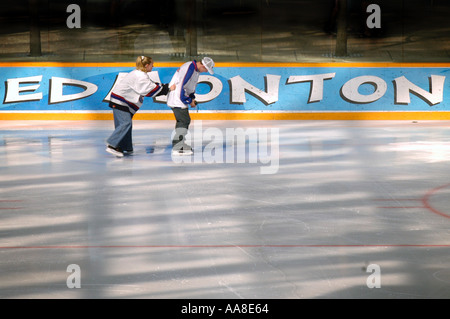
<point x="341" y="196"/>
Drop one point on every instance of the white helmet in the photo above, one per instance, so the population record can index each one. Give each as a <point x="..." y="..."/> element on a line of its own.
<point x="209" y="64"/>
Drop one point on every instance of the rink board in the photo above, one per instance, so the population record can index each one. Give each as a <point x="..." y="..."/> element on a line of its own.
<point x="241" y="91"/>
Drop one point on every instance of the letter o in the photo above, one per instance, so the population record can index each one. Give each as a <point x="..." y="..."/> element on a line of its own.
<point x="350" y="89"/>
<point x="216" y="88"/>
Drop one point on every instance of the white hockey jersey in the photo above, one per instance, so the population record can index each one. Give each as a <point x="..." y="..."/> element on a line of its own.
<point x="185" y="79"/>
<point x="132" y="89"/>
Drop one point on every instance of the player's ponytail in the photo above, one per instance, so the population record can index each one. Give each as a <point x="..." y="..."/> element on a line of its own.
<point x="142" y="61"/>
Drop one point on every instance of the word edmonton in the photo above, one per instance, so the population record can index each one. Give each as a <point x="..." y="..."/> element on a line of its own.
<point x="230" y="309"/>
<point x="19" y="90"/>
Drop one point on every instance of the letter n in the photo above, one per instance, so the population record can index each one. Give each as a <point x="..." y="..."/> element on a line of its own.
<point x="403" y="88"/>
<point x="239" y="87"/>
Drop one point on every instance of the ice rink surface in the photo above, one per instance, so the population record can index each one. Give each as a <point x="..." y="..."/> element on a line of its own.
<point x="318" y="209"/>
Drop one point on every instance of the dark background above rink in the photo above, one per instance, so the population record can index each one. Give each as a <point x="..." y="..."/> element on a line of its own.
<point x="241" y="31"/>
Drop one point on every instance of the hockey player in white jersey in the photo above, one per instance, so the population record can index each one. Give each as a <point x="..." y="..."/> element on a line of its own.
<point x="126" y="99"/>
<point x="185" y="79"/>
